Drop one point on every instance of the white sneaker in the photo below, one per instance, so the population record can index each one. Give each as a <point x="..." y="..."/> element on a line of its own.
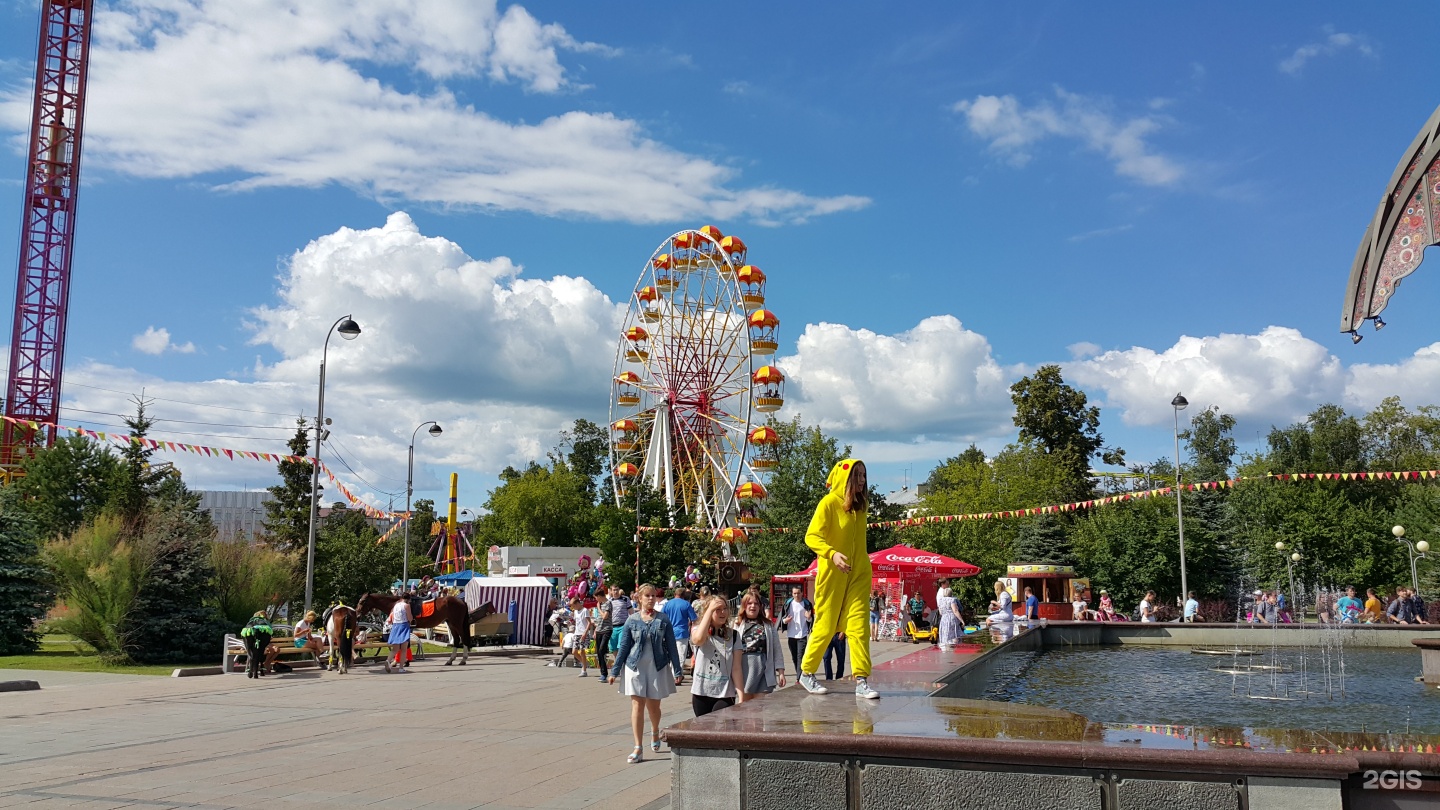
<point x="813" y="686"/>
<point x="863" y="690"/>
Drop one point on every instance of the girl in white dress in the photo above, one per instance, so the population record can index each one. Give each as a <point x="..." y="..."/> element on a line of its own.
<point x="647" y="650"/>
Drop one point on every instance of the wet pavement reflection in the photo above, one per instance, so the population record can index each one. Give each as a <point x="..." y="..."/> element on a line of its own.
<point x="906" y="710"/>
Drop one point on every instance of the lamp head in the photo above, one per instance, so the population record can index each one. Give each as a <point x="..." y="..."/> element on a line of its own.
<point x="1280" y="546"/>
<point x="348" y="328"/>
<point x="1179" y="403"/>
<point x="1398" y="531"/>
<point x="1422" y="546"/>
<point x="1295" y="556"/>
<point x="435" y="430"/>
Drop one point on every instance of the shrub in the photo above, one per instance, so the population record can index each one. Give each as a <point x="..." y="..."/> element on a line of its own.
<point x="250" y="576"/>
<point x="99" y="576"/>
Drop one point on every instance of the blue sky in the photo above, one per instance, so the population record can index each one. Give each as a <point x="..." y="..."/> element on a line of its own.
<point x="944" y="196"/>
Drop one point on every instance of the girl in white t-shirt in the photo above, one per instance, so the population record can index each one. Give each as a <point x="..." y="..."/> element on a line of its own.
<point x="716" y="668"/>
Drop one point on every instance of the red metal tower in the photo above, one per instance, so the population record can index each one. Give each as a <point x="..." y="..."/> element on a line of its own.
<point x="42" y="289"/>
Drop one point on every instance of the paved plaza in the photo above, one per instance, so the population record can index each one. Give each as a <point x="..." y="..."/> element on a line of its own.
<point x="503" y="732"/>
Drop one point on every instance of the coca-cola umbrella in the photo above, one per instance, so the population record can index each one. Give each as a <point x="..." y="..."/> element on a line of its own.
<point x="904" y="560"/>
<point x="901" y="560"/>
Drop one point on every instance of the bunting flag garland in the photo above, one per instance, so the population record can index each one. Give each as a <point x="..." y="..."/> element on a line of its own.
<point x="122" y="439"/>
<point x="924" y="520"/>
<point x="393" y="529"/>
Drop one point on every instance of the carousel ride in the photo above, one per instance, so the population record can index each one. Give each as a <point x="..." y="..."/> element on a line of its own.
<point x="693" y="380"/>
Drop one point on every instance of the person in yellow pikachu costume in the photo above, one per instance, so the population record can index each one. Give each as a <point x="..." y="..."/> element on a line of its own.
<point x="842" y="578"/>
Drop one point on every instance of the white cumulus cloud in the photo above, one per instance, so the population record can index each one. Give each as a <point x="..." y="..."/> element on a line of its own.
<point x="1274" y="377"/>
<point x="157" y="341"/>
<point x="292" y="93"/>
<point x="1015" y="130"/>
<point x="937" y="379"/>
<point x="503" y="361"/>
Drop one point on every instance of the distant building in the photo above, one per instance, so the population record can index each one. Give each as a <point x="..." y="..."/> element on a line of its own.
<point x="236" y="513"/>
<point x="908" y="497"/>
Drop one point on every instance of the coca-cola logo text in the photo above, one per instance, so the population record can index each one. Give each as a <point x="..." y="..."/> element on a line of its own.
<point x="920" y="559"/>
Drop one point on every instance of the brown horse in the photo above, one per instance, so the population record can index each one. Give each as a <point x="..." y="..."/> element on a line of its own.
<point x="450" y="611"/>
<point x="340" y="626"/>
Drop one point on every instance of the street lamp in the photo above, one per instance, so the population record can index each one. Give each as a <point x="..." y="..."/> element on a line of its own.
<point x="1417" y="550"/>
<point x="1290" y="569"/>
<point x="349" y="330"/>
<point x="435" y="430"/>
<point x="1179" y="403"/>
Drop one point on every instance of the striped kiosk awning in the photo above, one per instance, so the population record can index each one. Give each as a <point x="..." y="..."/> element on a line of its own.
<point x="531" y="595"/>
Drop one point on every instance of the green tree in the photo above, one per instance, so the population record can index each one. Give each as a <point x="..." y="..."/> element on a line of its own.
<point x="1020" y="476"/>
<point x="1043" y="539"/>
<point x="1211" y="445"/>
<point x="350" y="560"/>
<point x="1212" y="557"/>
<point x="138" y="481"/>
<point x="660" y="554"/>
<point x="1394" y="438"/>
<point x="1058" y="419"/>
<point x="1328" y="440"/>
<point x="882" y="511"/>
<point x="552" y="505"/>
<point x="1130" y="547"/>
<point x="26" y="591"/>
<point x="287" y="513"/>
<point x="589" y="452"/>
<point x="66" y="484"/>
<point x="174" y="615"/>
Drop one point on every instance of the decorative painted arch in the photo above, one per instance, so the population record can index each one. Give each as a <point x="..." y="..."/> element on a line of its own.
<point x="1407" y="222"/>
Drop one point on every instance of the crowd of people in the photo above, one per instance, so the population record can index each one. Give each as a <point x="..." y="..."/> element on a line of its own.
<point x="1405" y="607"/>
<point x="657" y="637"/>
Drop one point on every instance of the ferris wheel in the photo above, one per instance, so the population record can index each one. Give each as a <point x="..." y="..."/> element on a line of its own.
<point x="694" y="372"/>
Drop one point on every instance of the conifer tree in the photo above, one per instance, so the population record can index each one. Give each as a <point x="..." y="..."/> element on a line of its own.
<point x="287" y="520"/>
<point x="174" y="619"/>
<point x="25" y="587"/>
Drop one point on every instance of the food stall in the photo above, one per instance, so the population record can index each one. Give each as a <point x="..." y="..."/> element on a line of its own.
<point x="1055" y="585"/>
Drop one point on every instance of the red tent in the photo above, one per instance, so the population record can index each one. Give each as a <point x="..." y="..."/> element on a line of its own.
<point x="901" y="560"/>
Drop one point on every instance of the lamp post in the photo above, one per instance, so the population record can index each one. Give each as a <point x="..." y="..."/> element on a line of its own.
<point x="1417" y="550"/>
<point x="1179" y="403"/>
<point x="349" y="330"/>
<point x="1290" y="569"/>
<point x="435" y="430"/>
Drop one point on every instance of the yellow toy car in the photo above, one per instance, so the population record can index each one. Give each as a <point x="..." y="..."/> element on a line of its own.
<point x="917" y="634"/>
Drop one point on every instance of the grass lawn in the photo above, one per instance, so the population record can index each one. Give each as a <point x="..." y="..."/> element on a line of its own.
<point x="62" y="653"/>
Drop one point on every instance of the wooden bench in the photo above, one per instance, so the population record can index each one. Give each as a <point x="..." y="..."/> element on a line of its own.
<point x="233" y="659"/>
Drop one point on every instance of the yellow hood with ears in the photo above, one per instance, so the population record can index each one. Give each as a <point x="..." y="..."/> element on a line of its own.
<point x="840" y="476"/>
